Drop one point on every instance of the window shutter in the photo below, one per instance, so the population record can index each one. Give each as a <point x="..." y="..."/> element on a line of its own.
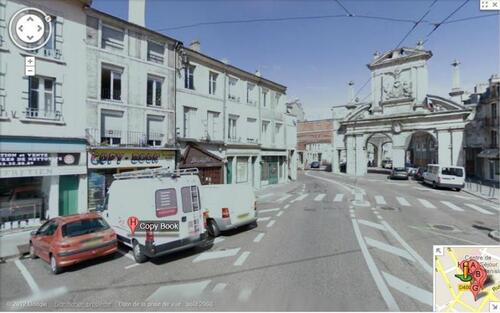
<point x="59" y="29"/>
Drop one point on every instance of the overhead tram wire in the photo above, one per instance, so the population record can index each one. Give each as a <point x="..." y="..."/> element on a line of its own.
<point x="344" y="8"/>
<point x="416" y="24"/>
<point x="437" y="25"/>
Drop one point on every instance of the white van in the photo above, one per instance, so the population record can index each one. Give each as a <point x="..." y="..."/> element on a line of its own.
<point x="445" y="176"/>
<point x="169" y="200"/>
<point x="228" y="206"/>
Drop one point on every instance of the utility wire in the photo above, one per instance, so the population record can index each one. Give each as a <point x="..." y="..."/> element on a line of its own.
<point x="437" y="25"/>
<point x="416" y="24"/>
<point x="344" y="8"/>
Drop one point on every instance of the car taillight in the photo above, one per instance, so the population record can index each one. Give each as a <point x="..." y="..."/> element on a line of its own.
<point x="205" y="218"/>
<point x="150" y="237"/>
<point x="225" y="212"/>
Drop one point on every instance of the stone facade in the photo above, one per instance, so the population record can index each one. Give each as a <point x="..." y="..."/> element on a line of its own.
<point x="314" y="142"/>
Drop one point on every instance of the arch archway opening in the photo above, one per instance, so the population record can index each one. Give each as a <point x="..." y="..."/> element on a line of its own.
<point x="422" y="149"/>
<point x="378" y="150"/>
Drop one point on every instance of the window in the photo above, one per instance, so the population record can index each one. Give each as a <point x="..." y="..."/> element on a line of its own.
<point x="41" y="98"/>
<point x="190" y="199"/>
<point x="156" y="52"/>
<point x="494" y="111"/>
<point x="48" y="228"/>
<point x="112" y="38"/>
<point x="111" y="127"/>
<point x="189" y="77"/>
<point x="111" y="84"/>
<point x="277" y="97"/>
<point x="154" y="91"/>
<point x="453" y="171"/>
<point x="264" y="98"/>
<point x="166" y="202"/>
<point x="155" y="130"/>
<point x="189" y="120"/>
<point x="50" y="46"/>
<point x="212" y="83"/>
<point x="212" y="125"/>
<point x="278" y="132"/>
<point x="231" y="93"/>
<point x="83" y="227"/>
<point x="232" y="128"/>
<point x="265" y="125"/>
<point x="252" y="130"/>
<point x="250" y="89"/>
<point x="494" y="139"/>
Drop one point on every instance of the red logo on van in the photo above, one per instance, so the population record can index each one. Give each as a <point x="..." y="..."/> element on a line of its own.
<point x="132" y="223"/>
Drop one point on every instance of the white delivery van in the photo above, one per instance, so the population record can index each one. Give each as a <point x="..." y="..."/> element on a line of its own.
<point x="445" y="176"/>
<point x="228" y="206"/>
<point x="168" y="199"/>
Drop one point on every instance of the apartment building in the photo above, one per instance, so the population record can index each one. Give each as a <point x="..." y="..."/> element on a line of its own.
<point x="42" y="132"/>
<point x="130" y="99"/>
<point x="482" y="156"/>
<point x="315" y="142"/>
<point x="230" y="123"/>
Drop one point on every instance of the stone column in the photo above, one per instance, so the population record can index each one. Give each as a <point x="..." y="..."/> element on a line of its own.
<point x="444" y="147"/>
<point x="361" y="159"/>
<point x="249" y="171"/>
<point x="379" y="154"/>
<point x="257" y="166"/>
<point x="82" y="194"/>
<point x="457" y="151"/>
<point x="233" y="169"/>
<point x="398" y="150"/>
<point x="351" y="155"/>
<point x="53" y="201"/>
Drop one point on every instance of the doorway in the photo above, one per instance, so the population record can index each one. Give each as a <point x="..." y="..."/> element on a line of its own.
<point x="68" y="194"/>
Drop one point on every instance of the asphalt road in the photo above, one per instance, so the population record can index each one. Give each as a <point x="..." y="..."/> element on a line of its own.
<point x="324" y="242"/>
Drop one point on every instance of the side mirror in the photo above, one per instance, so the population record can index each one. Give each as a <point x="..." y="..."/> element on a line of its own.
<point x="33" y="233"/>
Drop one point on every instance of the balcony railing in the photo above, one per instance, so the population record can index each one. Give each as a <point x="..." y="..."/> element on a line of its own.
<point x="32" y="113"/>
<point x="97" y="137"/>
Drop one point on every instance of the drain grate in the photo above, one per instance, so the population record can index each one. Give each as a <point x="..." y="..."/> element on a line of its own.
<point x="389" y="208"/>
<point x="444" y="227"/>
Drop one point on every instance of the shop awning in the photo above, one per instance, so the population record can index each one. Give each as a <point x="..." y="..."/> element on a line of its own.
<point x="489" y="154"/>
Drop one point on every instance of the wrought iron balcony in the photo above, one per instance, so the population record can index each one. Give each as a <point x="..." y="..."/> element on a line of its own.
<point x="120" y="138"/>
<point x="33" y="113"/>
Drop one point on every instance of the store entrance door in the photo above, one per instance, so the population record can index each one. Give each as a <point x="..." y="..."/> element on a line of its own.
<point x="68" y="195"/>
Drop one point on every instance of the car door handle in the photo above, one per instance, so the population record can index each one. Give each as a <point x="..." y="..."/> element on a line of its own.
<point x="183" y="219"/>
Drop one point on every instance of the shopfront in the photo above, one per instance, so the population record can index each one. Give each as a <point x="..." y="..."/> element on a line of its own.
<point x="103" y="163"/>
<point x="242" y="167"/>
<point x="273" y="168"/>
<point x="40" y="179"/>
<point x="209" y="165"/>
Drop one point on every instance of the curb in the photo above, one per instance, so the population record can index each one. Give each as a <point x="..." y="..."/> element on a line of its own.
<point x="480" y="196"/>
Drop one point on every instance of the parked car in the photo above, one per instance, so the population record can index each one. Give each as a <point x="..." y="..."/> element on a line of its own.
<point x="387" y="164"/>
<point x="66" y="240"/>
<point x="419" y="174"/>
<point x="161" y="196"/>
<point x="410" y="168"/>
<point x="315" y="164"/>
<point x="445" y="176"/>
<point x="21" y="203"/>
<point x="228" y="207"/>
<point x="398" y="173"/>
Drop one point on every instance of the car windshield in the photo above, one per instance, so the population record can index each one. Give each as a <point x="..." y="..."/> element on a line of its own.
<point x="400" y="169"/>
<point x="452" y="171"/>
<point x="85" y="226"/>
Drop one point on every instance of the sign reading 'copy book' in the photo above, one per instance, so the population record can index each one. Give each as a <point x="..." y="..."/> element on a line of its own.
<point x="126" y="158"/>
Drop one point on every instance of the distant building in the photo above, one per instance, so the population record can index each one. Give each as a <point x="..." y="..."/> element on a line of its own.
<point x="314" y="142"/>
<point x="295" y="108"/>
<point x="482" y="157"/>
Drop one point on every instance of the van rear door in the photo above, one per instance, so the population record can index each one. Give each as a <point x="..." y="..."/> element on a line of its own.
<point x="452" y="175"/>
<point x="191" y="216"/>
<point x="168" y="209"/>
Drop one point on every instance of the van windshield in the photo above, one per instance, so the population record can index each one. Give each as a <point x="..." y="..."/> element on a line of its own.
<point x="83" y="227"/>
<point x="452" y="171"/>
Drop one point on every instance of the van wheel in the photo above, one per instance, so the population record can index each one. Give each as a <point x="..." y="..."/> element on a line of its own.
<point x="53" y="265"/>
<point x="32" y="252"/>
<point x="434" y="185"/>
<point x="252" y="225"/>
<point x="213" y="229"/>
<point x="139" y="256"/>
<point x="458" y="189"/>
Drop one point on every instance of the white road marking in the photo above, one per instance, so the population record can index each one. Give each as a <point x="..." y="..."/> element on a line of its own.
<point x="262" y="219"/>
<point x="279" y="213"/>
<point x="372" y="224"/>
<point x="358" y="196"/>
<point x="178" y="291"/>
<point x="417" y="257"/>
<point x="210" y="255"/>
<point x="320" y="197"/>
<point x="352" y="215"/>
<point x="379" y="217"/>
<point x="408" y="289"/>
<point x="388" y="248"/>
<point x="427" y="204"/>
<point x="245" y="294"/>
<point x="463" y="197"/>
<point x="241" y="259"/>
<point x="377" y="277"/>
<point x="300" y="198"/>
<point x="43" y="295"/>
<point x="286" y="206"/>
<point x="268" y="210"/>
<point x="283" y="198"/>
<point x="265" y="195"/>
<point x="351" y="211"/>
<point x="126" y="254"/>
<point x="132" y="265"/>
<point x="219" y="287"/>
<point x="380" y="200"/>
<point x="452" y="206"/>
<point x="480" y="210"/>
<point x="27" y="276"/>
<point x="271" y="223"/>
<point x="259" y="237"/>
<point x="403" y="201"/>
<point x="218" y="240"/>
<point x="338" y="197"/>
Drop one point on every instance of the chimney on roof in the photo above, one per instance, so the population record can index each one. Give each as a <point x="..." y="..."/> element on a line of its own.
<point x="456" y="93"/>
<point x="195" y="45"/>
<point x="137" y="12"/>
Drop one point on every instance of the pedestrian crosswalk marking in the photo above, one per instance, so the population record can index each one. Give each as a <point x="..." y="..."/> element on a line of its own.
<point x="219" y="287"/>
<point x="283" y="198"/>
<point x="268" y="210"/>
<point x="338" y="197"/>
<point x="372" y="224"/>
<point x="320" y="197"/>
<point x="380" y="200"/>
<point x="452" y="206"/>
<point x="300" y="198"/>
<point x="480" y="210"/>
<point x="262" y="219"/>
<point x="403" y="201"/>
<point x="210" y="255"/>
<point x="427" y="204"/>
<point x="388" y="248"/>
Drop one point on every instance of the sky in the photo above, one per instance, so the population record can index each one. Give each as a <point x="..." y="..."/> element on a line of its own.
<point x="316" y="58"/>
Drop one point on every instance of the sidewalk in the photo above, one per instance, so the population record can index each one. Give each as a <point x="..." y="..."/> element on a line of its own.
<point x="13" y="244"/>
<point x="484" y="192"/>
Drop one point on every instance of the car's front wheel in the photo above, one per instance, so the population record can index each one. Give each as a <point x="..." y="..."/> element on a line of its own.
<point x="139" y="256"/>
<point x="53" y="265"/>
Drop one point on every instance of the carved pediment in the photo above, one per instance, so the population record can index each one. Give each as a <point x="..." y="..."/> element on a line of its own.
<point x="399" y="56"/>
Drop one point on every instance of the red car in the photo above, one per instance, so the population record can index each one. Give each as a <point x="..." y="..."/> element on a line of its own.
<point x="66" y="240"/>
